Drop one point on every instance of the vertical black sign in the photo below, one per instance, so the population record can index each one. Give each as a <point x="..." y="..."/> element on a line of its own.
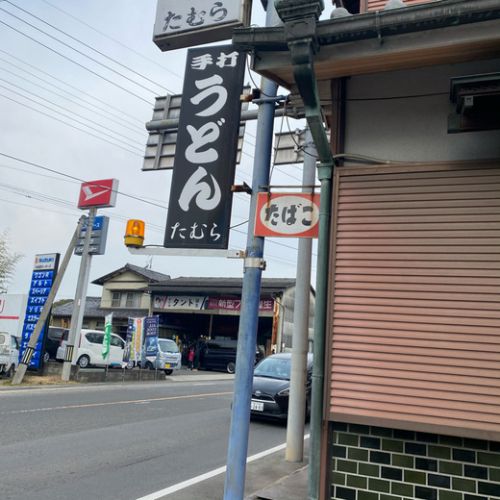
<point x="199" y="210"/>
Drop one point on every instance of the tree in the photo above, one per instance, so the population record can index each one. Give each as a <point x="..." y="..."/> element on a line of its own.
<point x="8" y="261"/>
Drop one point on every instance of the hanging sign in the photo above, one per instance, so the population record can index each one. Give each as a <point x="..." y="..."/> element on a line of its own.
<point x="289" y="215"/>
<point x="95" y="194"/>
<point x="44" y="273"/>
<point x="179" y="302"/>
<point x="195" y="22"/>
<point x="200" y="198"/>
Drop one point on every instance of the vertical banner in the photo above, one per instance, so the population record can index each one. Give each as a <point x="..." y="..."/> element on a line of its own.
<point x="128" y="342"/>
<point x="134" y="330"/>
<point x="199" y="210"/>
<point x="151" y="330"/>
<point x="44" y="274"/>
<point x="106" y="343"/>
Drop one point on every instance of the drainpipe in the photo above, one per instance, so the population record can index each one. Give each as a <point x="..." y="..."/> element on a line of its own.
<point x="300" y="18"/>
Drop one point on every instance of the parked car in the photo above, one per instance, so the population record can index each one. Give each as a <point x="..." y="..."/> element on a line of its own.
<point x="55" y="336"/>
<point x="271" y="386"/>
<point x="90" y="350"/>
<point x="167" y="359"/>
<point x="221" y="355"/>
<point x="9" y="354"/>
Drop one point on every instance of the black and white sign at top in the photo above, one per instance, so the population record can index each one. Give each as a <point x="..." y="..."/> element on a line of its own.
<point x="200" y="198"/>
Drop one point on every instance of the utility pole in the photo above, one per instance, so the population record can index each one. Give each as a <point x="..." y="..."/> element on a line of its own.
<point x="30" y="349"/>
<point x="253" y="265"/>
<point x="80" y="298"/>
<point x="300" y="339"/>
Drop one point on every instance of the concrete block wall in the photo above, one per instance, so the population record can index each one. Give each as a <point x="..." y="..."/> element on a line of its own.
<point x="378" y="463"/>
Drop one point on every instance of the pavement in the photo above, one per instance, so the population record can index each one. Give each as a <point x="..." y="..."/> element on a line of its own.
<point x="267" y="478"/>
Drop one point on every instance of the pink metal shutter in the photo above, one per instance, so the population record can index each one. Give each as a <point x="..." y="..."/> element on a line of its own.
<point x="415" y="298"/>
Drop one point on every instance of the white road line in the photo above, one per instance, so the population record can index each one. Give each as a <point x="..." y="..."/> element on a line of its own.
<point x="203" y="477"/>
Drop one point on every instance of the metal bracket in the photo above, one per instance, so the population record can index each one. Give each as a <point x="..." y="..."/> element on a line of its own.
<point x="255" y="262"/>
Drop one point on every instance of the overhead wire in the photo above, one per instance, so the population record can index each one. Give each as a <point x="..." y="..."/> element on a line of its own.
<point x="72" y="118"/>
<point x="93" y="28"/>
<point x="58" y="79"/>
<point x="96" y="61"/>
<point x="125" y="125"/>
<point x="89" y="47"/>
<point x="72" y="114"/>
<point x="68" y="124"/>
<point x="76" y="63"/>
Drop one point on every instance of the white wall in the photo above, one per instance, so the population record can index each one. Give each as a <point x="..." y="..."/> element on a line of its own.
<point x="413" y="129"/>
<point x="12" y="311"/>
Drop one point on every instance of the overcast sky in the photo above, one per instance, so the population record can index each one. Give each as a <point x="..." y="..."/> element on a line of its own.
<point x="103" y="135"/>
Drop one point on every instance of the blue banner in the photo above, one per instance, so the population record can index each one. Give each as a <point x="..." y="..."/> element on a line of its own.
<point x="43" y="276"/>
<point x="151" y="330"/>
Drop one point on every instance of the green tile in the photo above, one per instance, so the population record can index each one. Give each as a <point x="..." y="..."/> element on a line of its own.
<point x="369" y="470"/>
<point x="338" y="478"/>
<point x="403" y="460"/>
<point x="379" y="485"/>
<point x="349" y="439"/>
<point x="450" y="495"/>
<point x="459" y="483"/>
<point x="367" y="495"/>
<point x="346" y="466"/>
<point x="488" y="459"/>
<point x="402" y="489"/>
<point x="392" y="445"/>
<point x="357" y="454"/>
<point x="439" y="452"/>
<point x="356" y="481"/>
<point x="451" y="468"/>
<point x="450" y="441"/>
<point x="495" y="475"/>
<point x="389" y="497"/>
<point x="413" y="476"/>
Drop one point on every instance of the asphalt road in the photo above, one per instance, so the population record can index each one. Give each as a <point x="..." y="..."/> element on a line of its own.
<point x="119" y="441"/>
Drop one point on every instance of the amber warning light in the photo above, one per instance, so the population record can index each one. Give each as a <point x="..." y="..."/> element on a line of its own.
<point x="134" y="234"/>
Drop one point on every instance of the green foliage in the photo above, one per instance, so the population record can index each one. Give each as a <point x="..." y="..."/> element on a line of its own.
<point x="8" y="261"/>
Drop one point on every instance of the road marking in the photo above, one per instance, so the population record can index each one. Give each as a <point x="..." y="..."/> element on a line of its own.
<point x="216" y="472"/>
<point x="112" y="403"/>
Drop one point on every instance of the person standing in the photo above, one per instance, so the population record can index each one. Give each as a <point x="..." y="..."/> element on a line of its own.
<point x="191" y="358"/>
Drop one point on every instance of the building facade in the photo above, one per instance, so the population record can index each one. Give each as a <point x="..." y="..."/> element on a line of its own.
<point x="410" y="92"/>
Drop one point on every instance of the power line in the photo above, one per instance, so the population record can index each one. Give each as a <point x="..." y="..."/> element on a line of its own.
<point x="64" y="83"/>
<point x="89" y="47"/>
<point x="136" y="130"/>
<point x="96" y="61"/>
<point x="73" y="113"/>
<point x="75" y="62"/>
<point x="68" y="124"/>
<point x="69" y="117"/>
<point x="112" y="39"/>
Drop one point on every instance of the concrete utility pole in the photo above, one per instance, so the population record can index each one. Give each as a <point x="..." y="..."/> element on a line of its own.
<point x="300" y="338"/>
<point x="30" y="349"/>
<point x="234" y="487"/>
<point x="80" y="298"/>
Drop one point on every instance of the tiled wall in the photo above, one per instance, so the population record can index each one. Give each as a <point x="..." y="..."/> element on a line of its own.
<point x="376" y="463"/>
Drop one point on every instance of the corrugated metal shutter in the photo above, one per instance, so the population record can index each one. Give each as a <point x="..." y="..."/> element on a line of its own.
<point x="415" y="300"/>
<point x="380" y="4"/>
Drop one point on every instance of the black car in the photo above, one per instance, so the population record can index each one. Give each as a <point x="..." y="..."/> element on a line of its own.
<point x="271" y="386"/>
<point x="55" y="335"/>
<point x="221" y="355"/>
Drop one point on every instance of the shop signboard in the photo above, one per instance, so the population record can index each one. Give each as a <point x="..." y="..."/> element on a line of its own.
<point x="288" y="215"/>
<point x="42" y="278"/>
<point x="232" y="304"/>
<point x="195" y="22"/>
<point x="98" y="194"/>
<point x="98" y="237"/>
<point x="179" y="302"/>
<point x="199" y="210"/>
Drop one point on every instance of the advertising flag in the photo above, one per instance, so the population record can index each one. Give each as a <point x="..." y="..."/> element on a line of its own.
<point x="108" y="322"/>
<point x="151" y="330"/>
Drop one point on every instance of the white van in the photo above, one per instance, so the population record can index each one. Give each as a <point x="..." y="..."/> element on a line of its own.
<point x="90" y="350"/>
<point x="9" y="354"/>
<point x="167" y="359"/>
